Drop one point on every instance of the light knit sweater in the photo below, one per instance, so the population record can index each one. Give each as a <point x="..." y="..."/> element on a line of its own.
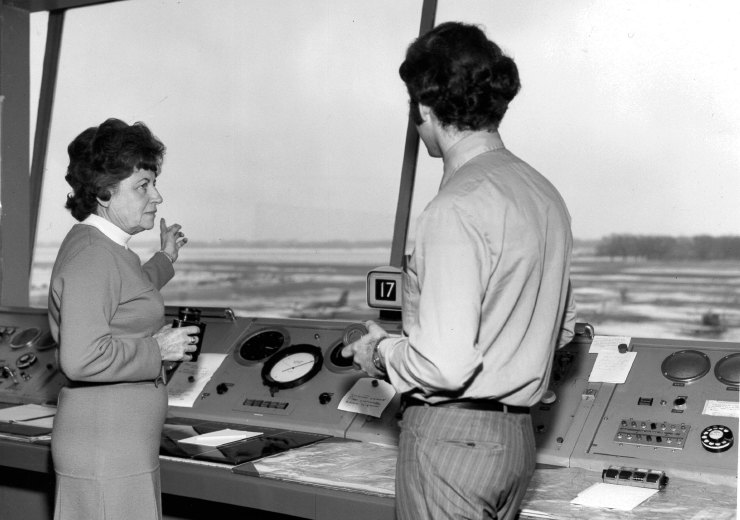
<point x="104" y="308"/>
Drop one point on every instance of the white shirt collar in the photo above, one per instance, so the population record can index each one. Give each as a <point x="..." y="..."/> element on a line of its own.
<point x="468" y="147"/>
<point x="109" y="229"/>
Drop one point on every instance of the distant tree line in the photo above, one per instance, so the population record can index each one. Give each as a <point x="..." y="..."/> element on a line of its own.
<point x="660" y="247"/>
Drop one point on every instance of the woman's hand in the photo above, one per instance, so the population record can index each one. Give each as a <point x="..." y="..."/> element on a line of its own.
<point x="174" y="344"/>
<point x="172" y="238"/>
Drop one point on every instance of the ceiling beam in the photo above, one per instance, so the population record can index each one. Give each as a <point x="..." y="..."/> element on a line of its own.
<point x="34" y="6"/>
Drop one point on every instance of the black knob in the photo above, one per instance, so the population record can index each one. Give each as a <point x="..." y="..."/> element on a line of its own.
<point x="222" y="389"/>
<point x="324" y="398"/>
<point x="541" y="428"/>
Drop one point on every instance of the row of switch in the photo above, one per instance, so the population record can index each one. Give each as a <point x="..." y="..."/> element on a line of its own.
<point x="265" y="404"/>
<point x="653" y="426"/>
<point x="648" y="438"/>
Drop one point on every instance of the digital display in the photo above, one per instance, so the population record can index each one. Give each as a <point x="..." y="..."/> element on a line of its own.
<point x="385" y="289"/>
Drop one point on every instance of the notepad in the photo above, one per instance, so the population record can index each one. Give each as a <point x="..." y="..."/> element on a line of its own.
<point x="219" y="438"/>
<point x="612" y="496"/>
<point x="612" y="367"/>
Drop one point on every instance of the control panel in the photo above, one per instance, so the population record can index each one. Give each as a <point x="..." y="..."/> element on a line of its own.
<point x="558" y="419"/>
<point x="677" y="411"/>
<point x="676" y="414"/>
<point x="29" y="372"/>
<point x="290" y="374"/>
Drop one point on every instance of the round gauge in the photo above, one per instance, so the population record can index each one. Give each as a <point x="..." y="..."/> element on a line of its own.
<point x="336" y="358"/>
<point x="46" y="342"/>
<point x="261" y="344"/>
<point x="292" y="366"/>
<point x="727" y="370"/>
<point x="25" y="338"/>
<point x="685" y="366"/>
<point x="717" y="438"/>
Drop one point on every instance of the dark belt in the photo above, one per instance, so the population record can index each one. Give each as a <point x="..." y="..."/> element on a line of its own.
<point x="488" y="405"/>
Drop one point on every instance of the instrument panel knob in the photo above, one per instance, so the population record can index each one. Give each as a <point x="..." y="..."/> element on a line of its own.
<point x="549" y="397"/>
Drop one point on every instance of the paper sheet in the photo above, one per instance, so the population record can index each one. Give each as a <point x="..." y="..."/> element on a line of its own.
<point x="190" y="379"/>
<point x="722" y="408"/>
<point x="366" y="398"/>
<point x="25" y="412"/>
<point x="220" y="437"/>
<point x="600" y="343"/>
<point x="612" y="367"/>
<point x="531" y="513"/>
<point x="611" y="496"/>
<point x="359" y="466"/>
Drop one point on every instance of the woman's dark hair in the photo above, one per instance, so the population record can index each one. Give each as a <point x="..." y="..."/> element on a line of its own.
<point x="461" y="75"/>
<point x="101" y="157"/>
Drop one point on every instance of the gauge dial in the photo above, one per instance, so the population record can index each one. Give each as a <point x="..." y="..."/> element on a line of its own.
<point x="263" y="344"/>
<point x="292" y="366"/>
<point x="25" y="338"/>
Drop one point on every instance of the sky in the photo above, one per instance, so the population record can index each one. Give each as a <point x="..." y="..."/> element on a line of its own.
<point x="286" y="120"/>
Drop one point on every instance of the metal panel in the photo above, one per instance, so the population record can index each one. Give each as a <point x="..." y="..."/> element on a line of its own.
<point x="15" y="250"/>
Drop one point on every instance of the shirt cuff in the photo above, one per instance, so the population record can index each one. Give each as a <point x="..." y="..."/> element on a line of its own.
<point x="387" y="350"/>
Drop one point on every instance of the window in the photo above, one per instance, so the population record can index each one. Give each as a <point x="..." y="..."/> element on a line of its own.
<point x="629" y="109"/>
<point x="285" y="125"/>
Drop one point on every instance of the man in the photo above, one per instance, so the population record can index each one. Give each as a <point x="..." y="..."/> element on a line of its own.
<point x="486" y="292"/>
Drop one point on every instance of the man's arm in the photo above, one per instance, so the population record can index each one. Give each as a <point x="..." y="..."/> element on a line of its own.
<point x="453" y="262"/>
<point x="567" y="329"/>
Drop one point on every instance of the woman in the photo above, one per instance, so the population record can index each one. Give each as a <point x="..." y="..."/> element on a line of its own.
<point x="107" y="315"/>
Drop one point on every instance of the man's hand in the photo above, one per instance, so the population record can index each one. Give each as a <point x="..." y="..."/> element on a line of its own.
<point x="362" y="350"/>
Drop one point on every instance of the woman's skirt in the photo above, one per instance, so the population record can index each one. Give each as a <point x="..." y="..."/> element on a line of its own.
<point x="105" y="447"/>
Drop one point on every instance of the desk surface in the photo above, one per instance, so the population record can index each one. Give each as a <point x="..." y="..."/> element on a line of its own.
<point x="550" y="492"/>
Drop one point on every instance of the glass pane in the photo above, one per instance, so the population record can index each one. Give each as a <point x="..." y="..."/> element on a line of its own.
<point x="284" y="124"/>
<point x="630" y="109"/>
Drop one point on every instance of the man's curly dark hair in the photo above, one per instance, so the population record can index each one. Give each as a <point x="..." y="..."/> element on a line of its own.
<point x="461" y="75"/>
<point x="102" y="156"/>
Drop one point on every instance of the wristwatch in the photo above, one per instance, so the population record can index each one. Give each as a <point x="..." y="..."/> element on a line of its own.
<point x="377" y="361"/>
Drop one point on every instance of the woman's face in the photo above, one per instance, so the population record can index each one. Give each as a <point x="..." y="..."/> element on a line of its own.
<point x="133" y="205"/>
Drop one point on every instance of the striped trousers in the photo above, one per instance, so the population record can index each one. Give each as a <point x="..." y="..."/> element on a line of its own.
<point x="462" y="464"/>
